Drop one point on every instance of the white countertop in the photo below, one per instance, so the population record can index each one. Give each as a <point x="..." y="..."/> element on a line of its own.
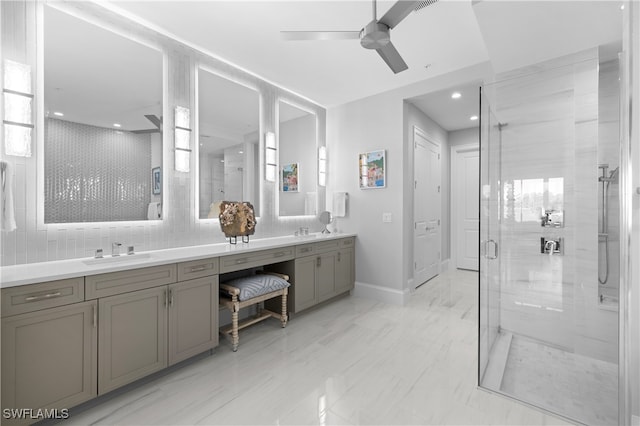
<point x="30" y="273"/>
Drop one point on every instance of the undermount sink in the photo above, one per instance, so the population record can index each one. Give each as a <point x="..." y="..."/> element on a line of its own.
<point x="118" y="259"/>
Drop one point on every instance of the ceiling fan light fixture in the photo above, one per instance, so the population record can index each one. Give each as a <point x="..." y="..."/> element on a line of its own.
<point x="374" y="35"/>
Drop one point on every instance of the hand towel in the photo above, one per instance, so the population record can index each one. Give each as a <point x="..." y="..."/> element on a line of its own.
<point x="154" y="211"/>
<point x="340" y="204"/>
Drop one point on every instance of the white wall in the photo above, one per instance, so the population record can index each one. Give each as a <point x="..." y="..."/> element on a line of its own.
<point x="383" y="250"/>
<point x="464" y="136"/>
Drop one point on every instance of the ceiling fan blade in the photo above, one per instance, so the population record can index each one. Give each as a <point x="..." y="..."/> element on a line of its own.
<point x="155" y="120"/>
<point x="391" y="56"/>
<point x="319" y="35"/>
<point x="140" y="132"/>
<point x="398" y="12"/>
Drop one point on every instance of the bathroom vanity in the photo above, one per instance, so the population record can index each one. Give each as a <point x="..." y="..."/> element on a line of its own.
<point x="76" y="329"/>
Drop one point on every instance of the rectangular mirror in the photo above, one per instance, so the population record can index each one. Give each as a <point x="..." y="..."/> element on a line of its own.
<point x="298" y="161"/>
<point x="102" y="125"/>
<point x="229" y="136"/>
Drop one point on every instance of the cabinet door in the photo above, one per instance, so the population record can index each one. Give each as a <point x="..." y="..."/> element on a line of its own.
<point x="344" y="270"/>
<point x="49" y="357"/>
<point x="304" y="290"/>
<point x="325" y="276"/>
<point x="132" y="337"/>
<point x="193" y="317"/>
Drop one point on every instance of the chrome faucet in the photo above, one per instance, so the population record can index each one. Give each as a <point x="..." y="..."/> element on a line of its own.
<point x="550" y="246"/>
<point x="115" y="249"/>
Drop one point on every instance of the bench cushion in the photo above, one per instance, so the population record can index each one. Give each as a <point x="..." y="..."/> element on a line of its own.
<point x="257" y="285"/>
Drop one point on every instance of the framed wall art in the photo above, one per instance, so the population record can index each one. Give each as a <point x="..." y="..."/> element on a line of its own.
<point x="156" y="181"/>
<point x="290" y="177"/>
<point x="372" y="168"/>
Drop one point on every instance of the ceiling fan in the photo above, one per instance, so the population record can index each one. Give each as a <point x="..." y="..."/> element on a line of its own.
<point x="375" y="35"/>
<point x="157" y="121"/>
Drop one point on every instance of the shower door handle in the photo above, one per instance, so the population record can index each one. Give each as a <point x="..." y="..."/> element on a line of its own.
<point x="491" y="255"/>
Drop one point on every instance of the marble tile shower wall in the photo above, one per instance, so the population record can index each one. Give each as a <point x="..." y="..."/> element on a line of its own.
<point x="32" y="242"/>
<point x="549" y="160"/>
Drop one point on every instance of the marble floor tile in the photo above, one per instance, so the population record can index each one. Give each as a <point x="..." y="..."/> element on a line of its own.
<point x="582" y="388"/>
<point x="351" y="362"/>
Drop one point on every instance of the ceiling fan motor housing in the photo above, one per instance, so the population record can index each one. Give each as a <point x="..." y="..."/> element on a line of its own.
<point x="375" y="35"/>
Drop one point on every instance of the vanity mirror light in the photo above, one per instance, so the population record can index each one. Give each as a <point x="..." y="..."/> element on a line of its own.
<point x="102" y="134"/>
<point x="298" y="161"/>
<point x="228" y="148"/>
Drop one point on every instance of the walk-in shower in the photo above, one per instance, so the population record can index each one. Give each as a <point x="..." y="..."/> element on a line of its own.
<point x="548" y="328"/>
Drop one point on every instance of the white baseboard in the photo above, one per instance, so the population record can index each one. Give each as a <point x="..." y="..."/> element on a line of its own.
<point x="444" y="265"/>
<point x="381" y="294"/>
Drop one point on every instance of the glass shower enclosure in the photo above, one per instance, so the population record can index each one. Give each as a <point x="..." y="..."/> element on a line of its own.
<point x="548" y="326"/>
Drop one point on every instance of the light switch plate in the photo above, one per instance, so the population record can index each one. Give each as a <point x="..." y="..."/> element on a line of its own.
<point x="386" y="217"/>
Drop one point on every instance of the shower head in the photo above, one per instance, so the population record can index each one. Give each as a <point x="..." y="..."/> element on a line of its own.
<point x="613" y="176"/>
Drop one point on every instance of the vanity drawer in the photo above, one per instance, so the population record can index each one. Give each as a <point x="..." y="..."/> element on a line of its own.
<point x="347" y="242"/>
<point x="305" y="250"/>
<point x="33" y="297"/>
<point x="114" y="283"/>
<point x="197" y="269"/>
<point x="326" y="246"/>
<point x="254" y="259"/>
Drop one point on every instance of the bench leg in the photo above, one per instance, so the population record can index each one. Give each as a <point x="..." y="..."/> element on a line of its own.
<point x="283" y="315"/>
<point x="234" y="323"/>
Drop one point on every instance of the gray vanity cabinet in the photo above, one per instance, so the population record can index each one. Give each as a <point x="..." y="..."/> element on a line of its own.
<point x="49" y="357"/>
<point x="132" y="336"/>
<point x="193" y="318"/>
<point x="325" y="276"/>
<point x="345" y="270"/>
<point x="304" y="284"/>
<point x="321" y="271"/>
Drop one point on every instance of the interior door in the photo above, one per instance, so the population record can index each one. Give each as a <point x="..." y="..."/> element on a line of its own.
<point x="426" y="201"/>
<point x="466" y="211"/>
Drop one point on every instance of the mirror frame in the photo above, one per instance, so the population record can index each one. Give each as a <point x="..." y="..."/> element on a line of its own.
<point x="297" y="105"/>
<point x="40" y="119"/>
<point x="196" y="151"/>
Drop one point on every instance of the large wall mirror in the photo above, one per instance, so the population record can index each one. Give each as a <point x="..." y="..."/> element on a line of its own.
<point x="229" y="135"/>
<point x="298" y="161"/>
<point x="103" y="124"/>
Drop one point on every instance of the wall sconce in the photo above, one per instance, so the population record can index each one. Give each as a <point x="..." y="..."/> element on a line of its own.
<point x="270" y="156"/>
<point x="182" y="139"/>
<point x="322" y="166"/>
<point x="18" y="100"/>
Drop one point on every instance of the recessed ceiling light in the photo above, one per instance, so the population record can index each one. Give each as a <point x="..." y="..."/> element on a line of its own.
<point x="622" y="7"/>
<point x="240" y="152"/>
<point x="117" y="125"/>
<point x="473" y="118"/>
<point x="456" y="95"/>
<point x="201" y="144"/>
<point x="59" y="114"/>
<point x="222" y="161"/>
